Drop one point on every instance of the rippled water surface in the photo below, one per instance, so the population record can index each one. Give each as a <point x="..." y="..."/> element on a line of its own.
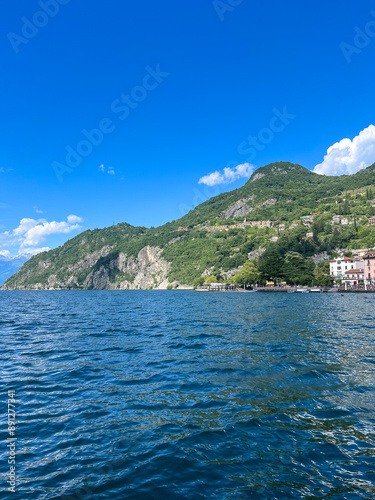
<point x="174" y="395"/>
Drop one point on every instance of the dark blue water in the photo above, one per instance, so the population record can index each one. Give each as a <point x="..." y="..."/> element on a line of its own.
<point x="180" y="395"/>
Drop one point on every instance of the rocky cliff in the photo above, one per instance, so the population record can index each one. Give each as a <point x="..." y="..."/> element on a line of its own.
<point x="147" y="270"/>
<point x="106" y="271"/>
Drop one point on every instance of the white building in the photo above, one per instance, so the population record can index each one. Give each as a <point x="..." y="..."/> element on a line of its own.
<point x="353" y="276"/>
<point x="339" y="266"/>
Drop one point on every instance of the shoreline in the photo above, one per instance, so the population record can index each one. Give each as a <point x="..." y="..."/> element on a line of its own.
<point x="259" y="290"/>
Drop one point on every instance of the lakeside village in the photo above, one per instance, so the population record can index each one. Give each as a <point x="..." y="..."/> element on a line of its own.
<point x="355" y="273"/>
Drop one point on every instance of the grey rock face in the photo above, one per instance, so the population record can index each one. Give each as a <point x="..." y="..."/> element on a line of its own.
<point x="320" y="257"/>
<point x="241" y="208"/>
<point x="238" y="209"/>
<point x="257" y="176"/>
<point x="97" y="280"/>
<point x="256" y="253"/>
<point x="147" y="270"/>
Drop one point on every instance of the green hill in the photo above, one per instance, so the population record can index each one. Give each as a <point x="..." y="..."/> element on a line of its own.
<point x="286" y="194"/>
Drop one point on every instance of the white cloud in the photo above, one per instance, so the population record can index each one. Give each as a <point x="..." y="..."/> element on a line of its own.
<point x="4" y="253"/>
<point x="228" y="175"/>
<point x="212" y="179"/>
<point x="37" y="234"/>
<point x="108" y="170"/>
<point x="37" y="210"/>
<point x="25" y="226"/>
<point x="29" y="252"/>
<point x="349" y="156"/>
<point x="74" y="219"/>
<point x="31" y="233"/>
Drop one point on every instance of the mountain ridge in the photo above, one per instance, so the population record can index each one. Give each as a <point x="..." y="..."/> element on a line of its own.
<point x="178" y="252"/>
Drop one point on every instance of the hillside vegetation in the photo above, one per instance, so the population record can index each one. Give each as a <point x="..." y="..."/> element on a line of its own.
<point x="308" y="213"/>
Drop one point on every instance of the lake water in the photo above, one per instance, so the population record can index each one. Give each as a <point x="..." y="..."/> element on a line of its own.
<point x="180" y="395"/>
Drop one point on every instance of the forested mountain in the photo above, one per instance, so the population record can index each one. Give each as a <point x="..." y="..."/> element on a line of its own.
<point x="283" y="206"/>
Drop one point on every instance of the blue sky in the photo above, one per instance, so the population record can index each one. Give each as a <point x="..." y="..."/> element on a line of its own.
<point x="173" y="91"/>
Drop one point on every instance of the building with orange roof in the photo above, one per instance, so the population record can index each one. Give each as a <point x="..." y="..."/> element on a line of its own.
<point x="339" y="266"/>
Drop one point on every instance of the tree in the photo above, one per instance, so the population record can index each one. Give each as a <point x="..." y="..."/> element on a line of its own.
<point x="317" y="226"/>
<point x="198" y="281"/>
<point x="327" y="228"/>
<point x="211" y="279"/>
<point x="249" y="274"/>
<point x="297" y="269"/>
<point x="336" y="238"/>
<point x="346" y="209"/>
<point x="322" y="277"/>
<point x="271" y="264"/>
<point x="325" y="267"/>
